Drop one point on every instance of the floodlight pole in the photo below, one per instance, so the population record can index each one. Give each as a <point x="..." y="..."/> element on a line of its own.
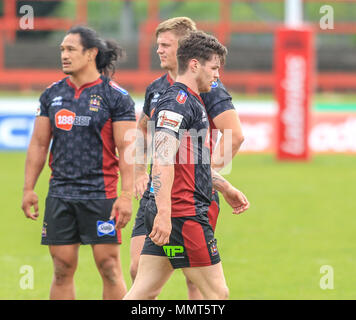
<point x="293" y="13"/>
<point x="294" y="66"/>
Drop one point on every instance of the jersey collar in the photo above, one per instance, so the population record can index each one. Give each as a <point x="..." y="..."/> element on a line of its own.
<point x="84" y="86"/>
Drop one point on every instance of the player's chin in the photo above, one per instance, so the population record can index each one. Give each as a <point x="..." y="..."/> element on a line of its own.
<point x="66" y="71"/>
<point x="205" y="89"/>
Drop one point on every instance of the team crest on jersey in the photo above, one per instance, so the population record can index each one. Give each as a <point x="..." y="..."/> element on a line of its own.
<point x="94" y="102"/>
<point x="169" y="120"/>
<point x="182" y="97"/>
<point x="118" y="88"/>
<point x="214" y="84"/>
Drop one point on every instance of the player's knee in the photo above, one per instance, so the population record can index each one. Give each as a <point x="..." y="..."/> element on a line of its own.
<point x="63" y="270"/>
<point x="223" y="293"/>
<point x="133" y="270"/>
<point x="109" y="269"/>
<point x="190" y="284"/>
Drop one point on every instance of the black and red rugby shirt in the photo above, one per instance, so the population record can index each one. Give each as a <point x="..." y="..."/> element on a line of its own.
<point x="216" y="101"/>
<point x="180" y="112"/>
<point x="82" y="156"/>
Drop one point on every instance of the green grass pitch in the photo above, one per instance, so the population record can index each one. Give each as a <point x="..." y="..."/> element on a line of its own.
<point x="302" y="217"/>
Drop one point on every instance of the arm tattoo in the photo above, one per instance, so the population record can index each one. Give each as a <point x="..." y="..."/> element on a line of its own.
<point x="219" y="182"/>
<point x="165" y="148"/>
<point x="156" y="180"/>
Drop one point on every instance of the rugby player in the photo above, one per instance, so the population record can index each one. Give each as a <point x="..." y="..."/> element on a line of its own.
<point x="221" y="115"/>
<point x="176" y="213"/>
<point x="85" y="116"/>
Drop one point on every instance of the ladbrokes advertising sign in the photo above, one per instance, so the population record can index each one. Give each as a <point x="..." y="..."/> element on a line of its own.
<point x="294" y="69"/>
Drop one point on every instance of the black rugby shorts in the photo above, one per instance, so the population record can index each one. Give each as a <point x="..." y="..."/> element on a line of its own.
<point x="191" y="243"/>
<point x="69" y="221"/>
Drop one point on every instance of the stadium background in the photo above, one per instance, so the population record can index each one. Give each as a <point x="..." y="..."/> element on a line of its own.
<point x="301" y="215"/>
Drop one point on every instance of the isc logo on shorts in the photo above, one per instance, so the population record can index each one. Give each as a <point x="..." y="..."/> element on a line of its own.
<point x="106" y="228"/>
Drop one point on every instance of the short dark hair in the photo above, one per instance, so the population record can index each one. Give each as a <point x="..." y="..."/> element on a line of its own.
<point x="109" y="52"/>
<point x="201" y="46"/>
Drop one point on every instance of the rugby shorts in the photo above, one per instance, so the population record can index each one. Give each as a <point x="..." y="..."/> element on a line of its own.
<point x="69" y="221"/>
<point x="191" y="243"/>
<point x="139" y="228"/>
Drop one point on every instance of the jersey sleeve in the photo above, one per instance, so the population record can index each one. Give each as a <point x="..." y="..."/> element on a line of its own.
<point x="123" y="109"/>
<point x="217" y="100"/>
<point x="146" y="104"/>
<point x="172" y="117"/>
<point x="44" y="102"/>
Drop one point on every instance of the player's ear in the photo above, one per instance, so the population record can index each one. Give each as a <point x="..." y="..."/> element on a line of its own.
<point x="194" y="65"/>
<point x="92" y="53"/>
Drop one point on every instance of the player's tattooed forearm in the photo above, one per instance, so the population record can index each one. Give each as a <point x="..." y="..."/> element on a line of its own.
<point x="157" y="184"/>
<point x="218" y="181"/>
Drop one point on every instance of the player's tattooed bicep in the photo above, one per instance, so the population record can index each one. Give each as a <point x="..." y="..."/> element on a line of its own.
<point x="165" y="148"/>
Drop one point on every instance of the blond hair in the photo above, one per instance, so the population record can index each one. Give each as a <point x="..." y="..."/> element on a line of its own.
<point x="180" y="26"/>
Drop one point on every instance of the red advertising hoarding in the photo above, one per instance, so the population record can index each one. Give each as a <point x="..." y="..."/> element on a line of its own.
<point x="294" y="66"/>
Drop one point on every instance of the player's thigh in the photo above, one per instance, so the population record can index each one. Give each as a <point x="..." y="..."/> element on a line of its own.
<point x="209" y="279"/>
<point x="136" y="246"/>
<point x="107" y="255"/>
<point x="153" y="272"/>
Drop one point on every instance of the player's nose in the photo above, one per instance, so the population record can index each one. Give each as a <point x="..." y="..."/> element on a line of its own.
<point x="159" y="50"/>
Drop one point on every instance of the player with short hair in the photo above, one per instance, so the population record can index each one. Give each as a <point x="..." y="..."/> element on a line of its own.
<point x="179" y="232"/>
<point x="221" y="114"/>
<point x="86" y="116"/>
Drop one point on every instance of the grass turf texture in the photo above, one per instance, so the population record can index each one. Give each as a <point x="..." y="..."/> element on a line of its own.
<point x="302" y="217"/>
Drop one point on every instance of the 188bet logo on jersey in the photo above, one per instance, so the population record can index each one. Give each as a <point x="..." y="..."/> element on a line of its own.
<point x="65" y="120"/>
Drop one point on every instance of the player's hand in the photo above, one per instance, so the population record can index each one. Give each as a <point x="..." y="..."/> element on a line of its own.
<point x="161" y="229"/>
<point x="122" y="210"/>
<point x="140" y="185"/>
<point x="236" y="199"/>
<point x="29" y="200"/>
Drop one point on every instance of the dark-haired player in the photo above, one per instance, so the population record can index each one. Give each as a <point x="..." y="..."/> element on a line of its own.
<point x="221" y="114"/>
<point x="179" y="232"/>
<point x="86" y="116"/>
